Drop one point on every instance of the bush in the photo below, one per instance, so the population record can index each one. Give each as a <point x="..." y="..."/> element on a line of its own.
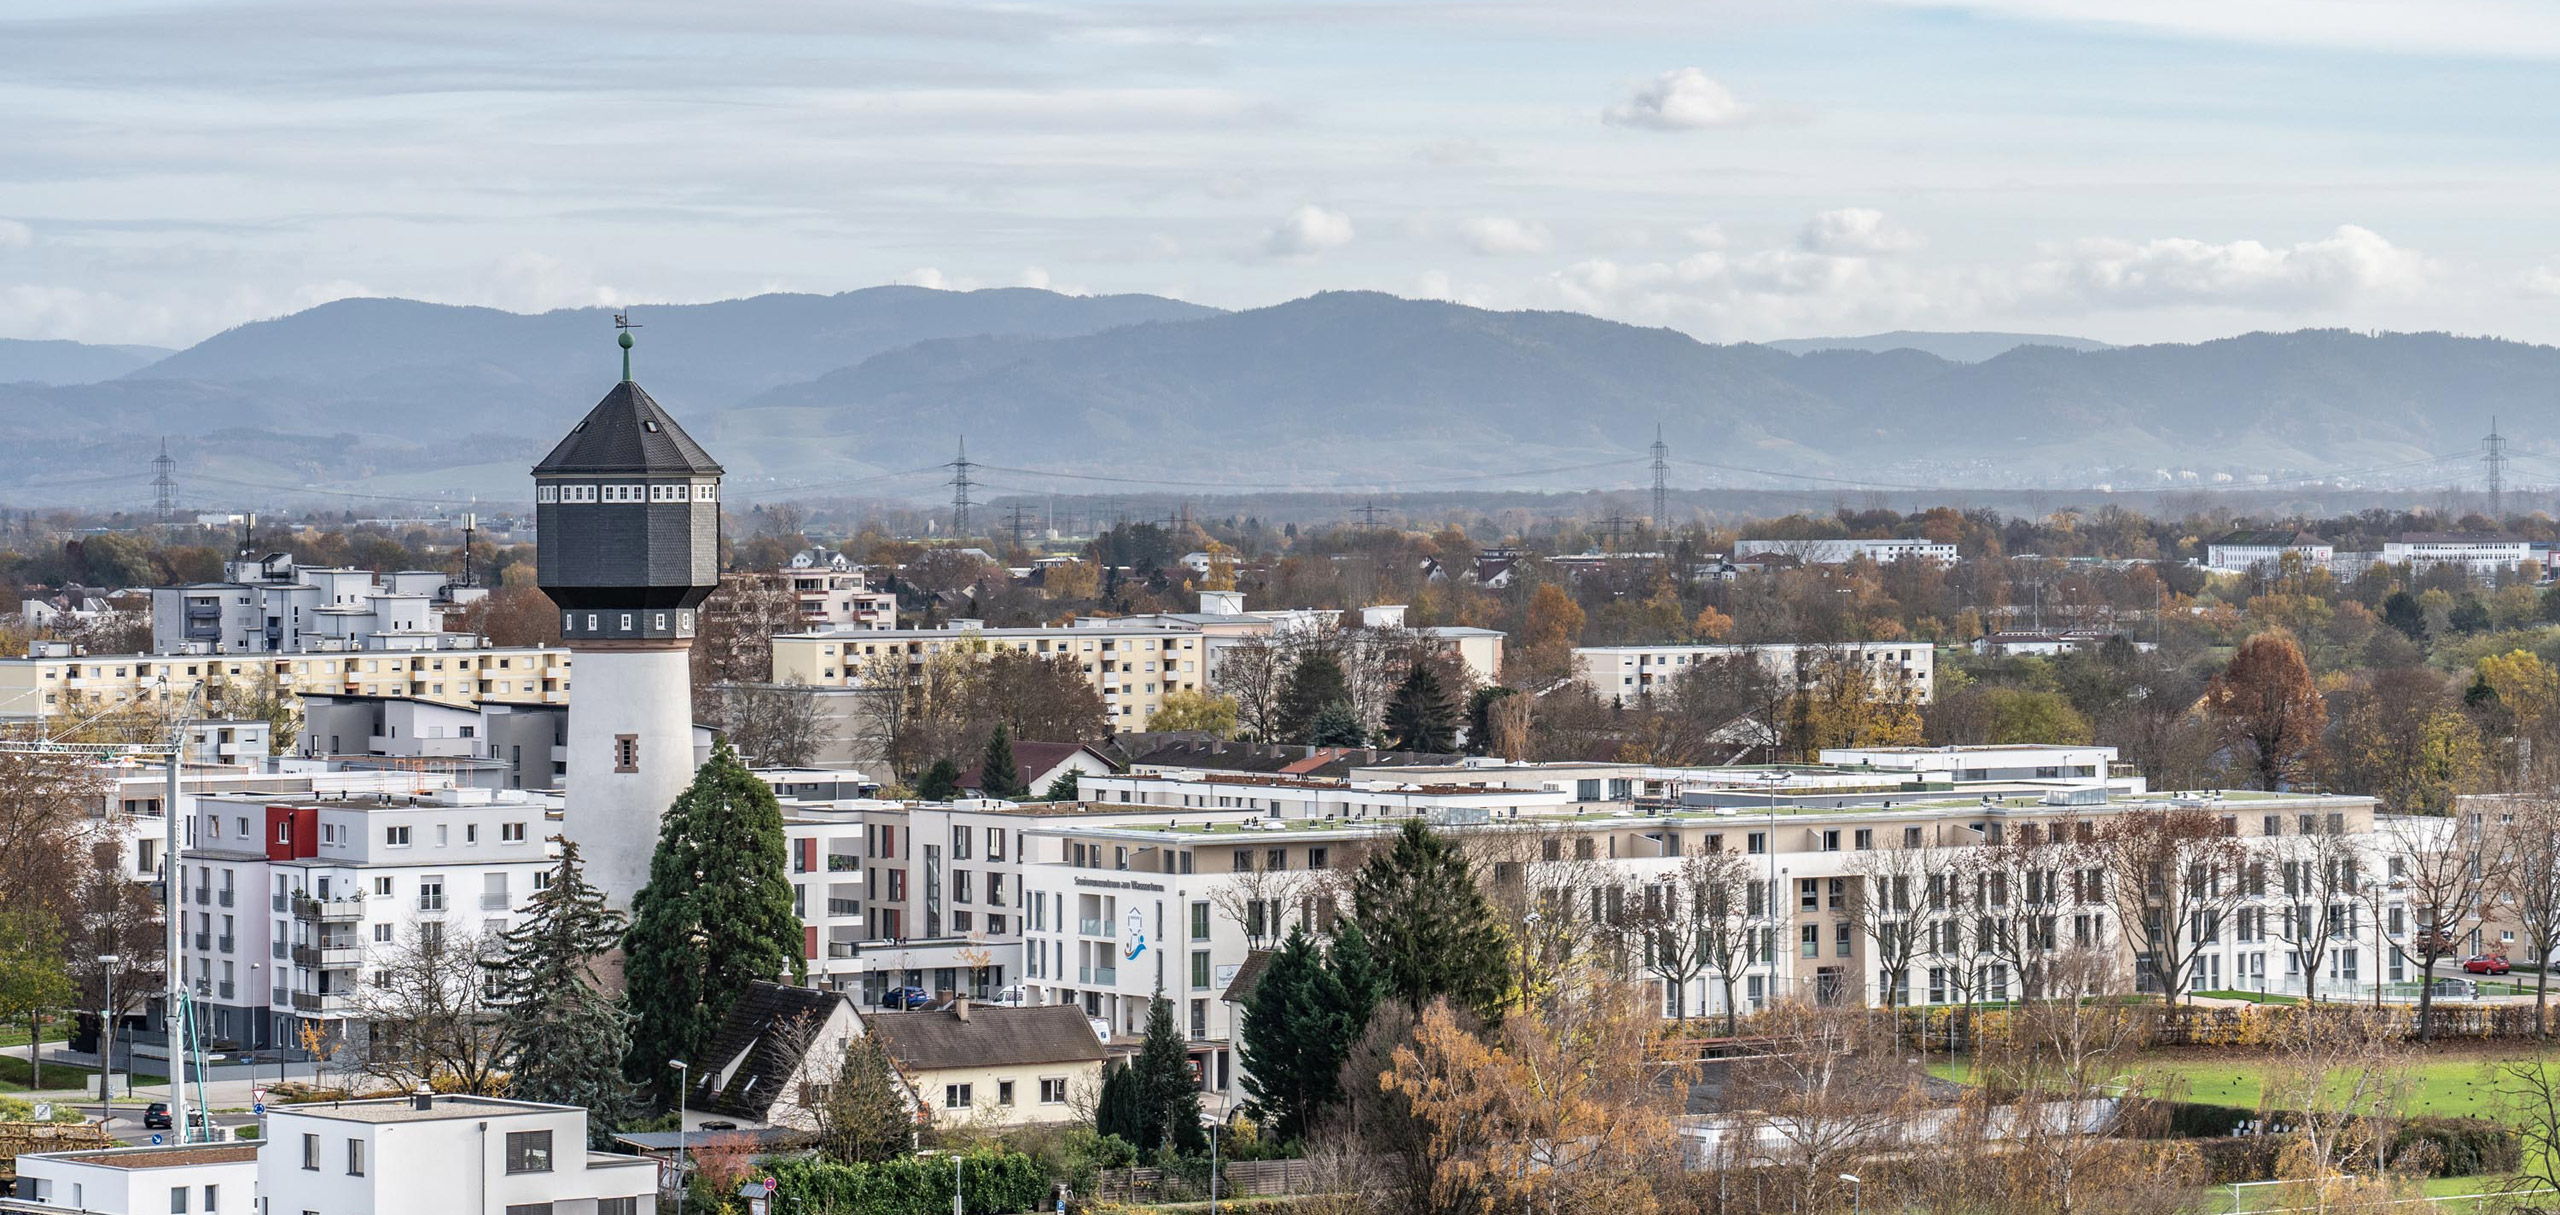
<point x="992" y="1183"/>
<point x="2461" y="1146"/>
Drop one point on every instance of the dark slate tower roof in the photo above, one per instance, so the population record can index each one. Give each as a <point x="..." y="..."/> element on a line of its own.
<point x="628" y="432"/>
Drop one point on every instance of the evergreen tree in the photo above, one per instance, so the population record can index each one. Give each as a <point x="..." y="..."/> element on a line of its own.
<point x="1355" y="971"/>
<point x="1315" y="684"/>
<point x="715" y="916"/>
<point x="1116" y="1111"/>
<point x="1296" y="1028"/>
<point x="996" y="774"/>
<point x="1062" y="789"/>
<point x="1337" y="726"/>
<point x="1430" y="927"/>
<point x="2400" y="610"/>
<point x="940" y="783"/>
<point x="563" y="1038"/>
<point x="1166" y="1094"/>
<point x="1480" y="717"/>
<point x="864" y="1117"/>
<point x="1420" y="716"/>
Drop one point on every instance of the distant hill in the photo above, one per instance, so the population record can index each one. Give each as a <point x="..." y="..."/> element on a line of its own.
<point x="1953" y="347"/>
<point x="1337" y="389"/>
<point x="57" y="363"/>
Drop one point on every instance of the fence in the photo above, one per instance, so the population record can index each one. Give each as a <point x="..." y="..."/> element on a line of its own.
<point x="1954" y="1028"/>
<point x="1242" y="1179"/>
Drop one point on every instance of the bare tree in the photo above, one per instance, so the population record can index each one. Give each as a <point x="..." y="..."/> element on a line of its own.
<point x="1832" y="1091"/>
<point x="2530" y="833"/>
<point x="2528" y="1090"/>
<point x="1259" y="901"/>
<point x="1891" y="906"/>
<point x="2444" y="869"/>
<point x="2018" y="886"/>
<point x="2066" y="1061"/>
<point x="734" y="642"/>
<point x="2342" y="1078"/>
<point x="779" y="724"/>
<point x="430" y="1012"/>
<point x="1550" y="892"/>
<point x="2175" y="876"/>
<point x="2315" y="891"/>
<point x="1255" y="672"/>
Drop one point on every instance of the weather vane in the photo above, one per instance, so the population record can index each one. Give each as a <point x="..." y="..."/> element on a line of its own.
<point x="622" y="321"/>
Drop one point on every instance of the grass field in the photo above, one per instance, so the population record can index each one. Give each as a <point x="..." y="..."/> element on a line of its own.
<point x="2453" y="1085"/>
<point x="14" y="1074"/>
<point x="2253" y="997"/>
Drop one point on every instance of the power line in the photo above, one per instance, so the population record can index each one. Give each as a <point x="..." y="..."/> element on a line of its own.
<point x="2493" y="461"/>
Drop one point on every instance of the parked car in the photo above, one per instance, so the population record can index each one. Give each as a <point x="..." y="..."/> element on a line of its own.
<point x="2485" y="964"/>
<point x="906" y="997"/>
<point x="155" y="1116"/>
<point x="1011" y="997"/>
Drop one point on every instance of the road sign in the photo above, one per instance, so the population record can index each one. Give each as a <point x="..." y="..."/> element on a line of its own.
<point x="44" y="1111"/>
<point x="260" y="1109"/>
<point x="155" y="1140"/>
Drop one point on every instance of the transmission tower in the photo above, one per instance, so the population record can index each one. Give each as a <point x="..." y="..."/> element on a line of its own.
<point x="1368" y="512"/>
<point x="960" y="486"/>
<point x="1661" y="481"/>
<point x="2493" y="462"/>
<point x="164" y="483"/>
<point x="1016" y="523"/>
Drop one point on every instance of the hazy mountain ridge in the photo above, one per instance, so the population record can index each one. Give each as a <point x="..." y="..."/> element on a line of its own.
<point x="55" y="362"/>
<point x="1339" y="387"/>
<point x="1963" y="347"/>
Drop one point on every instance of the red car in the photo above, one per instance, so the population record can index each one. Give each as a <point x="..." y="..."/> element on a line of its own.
<point x="2485" y="964"/>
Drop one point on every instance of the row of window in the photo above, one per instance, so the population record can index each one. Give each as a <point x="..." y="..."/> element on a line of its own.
<point x="660" y="492"/>
<point x="1053" y="1091"/>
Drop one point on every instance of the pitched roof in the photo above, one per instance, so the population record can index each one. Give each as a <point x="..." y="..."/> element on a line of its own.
<point x="765" y="1038"/>
<point x="1198" y="752"/>
<point x="993" y="1036"/>
<point x="1031" y="761"/>
<point x="628" y="432"/>
<point x="1248" y="976"/>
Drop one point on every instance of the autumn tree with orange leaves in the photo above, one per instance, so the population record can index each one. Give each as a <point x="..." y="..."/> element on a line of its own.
<point x="2269" y="709"/>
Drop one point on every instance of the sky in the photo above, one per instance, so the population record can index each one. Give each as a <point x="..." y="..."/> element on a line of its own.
<point x="2172" y="170"/>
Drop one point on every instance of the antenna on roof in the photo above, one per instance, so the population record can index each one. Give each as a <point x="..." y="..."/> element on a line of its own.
<point x="622" y="321"/>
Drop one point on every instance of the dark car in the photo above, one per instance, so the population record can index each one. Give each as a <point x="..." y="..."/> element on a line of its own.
<point x="2485" y="964"/>
<point x="155" y="1116"/>
<point x="905" y="997"/>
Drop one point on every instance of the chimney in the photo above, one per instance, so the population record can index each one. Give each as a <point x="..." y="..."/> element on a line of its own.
<point x="960" y="1009"/>
<point x="424" y="1099"/>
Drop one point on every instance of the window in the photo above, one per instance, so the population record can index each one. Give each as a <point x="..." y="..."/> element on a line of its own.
<point x="626" y="752"/>
<point x="1831" y="840"/>
<point x="1756" y="843"/>
<point x="396" y="837"/>
<point x="1200" y="970"/>
<point x="1199" y="921"/>
<point x="955" y="1096"/>
<point x="1811" y="938"/>
<point x="1053" y="1090"/>
<point x="1911" y="837"/>
<point x="311" y="1153"/>
<point x="511" y="833"/>
<point x="528" y="1151"/>
<point x="1865" y="839"/>
<point x="177" y="1200"/>
<point x="431" y="893"/>
<point x="382" y="934"/>
<point x="528" y="1208"/>
<point x="382" y="888"/>
<point x="617" y="1206"/>
<point x="355" y="1158"/>
<point x="1004" y="1092"/>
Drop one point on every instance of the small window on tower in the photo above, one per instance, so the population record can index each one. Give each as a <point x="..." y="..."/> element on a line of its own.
<point x="626" y="752"/>
<point x="626" y="622"/>
<point x="649" y="424"/>
<point x="661" y="621"/>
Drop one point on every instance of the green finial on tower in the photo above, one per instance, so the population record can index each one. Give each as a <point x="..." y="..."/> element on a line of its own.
<point x="622" y="321"/>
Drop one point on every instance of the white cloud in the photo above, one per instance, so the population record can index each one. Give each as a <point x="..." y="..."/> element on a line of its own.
<point x="1308" y="231"/>
<point x="1032" y="276"/>
<point x="1497" y="236"/>
<point x="1682" y="100"/>
<point x="923" y="276"/>
<point x="1853" y="232"/>
<point x="2541" y="280"/>
<point x="531" y="281"/>
<point x="2504" y="28"/>
<point x="1461" y="150"/>
<point x="1706" y="236"/>
<point x="15" y="235"/>
<point x="2350" y="263"/>
<point x="1433" y="285"/>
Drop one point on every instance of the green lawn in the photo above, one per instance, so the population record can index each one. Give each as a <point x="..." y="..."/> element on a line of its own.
<point x="16" y="1035"/>
<point x="2253" y="997"/>
<point x="2457" y="1086"/>
<point x="14" y="1075"/>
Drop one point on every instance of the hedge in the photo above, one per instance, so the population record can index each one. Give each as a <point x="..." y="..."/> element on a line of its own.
<point x="992" y="1183"/>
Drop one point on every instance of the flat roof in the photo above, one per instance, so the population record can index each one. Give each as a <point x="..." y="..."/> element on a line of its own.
<point x="404" y="1109"/>
<point x="170" y="1156"/>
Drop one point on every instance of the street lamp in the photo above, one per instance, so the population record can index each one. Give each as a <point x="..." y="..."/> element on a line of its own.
<point x="107" y="1045"/>
<point x="1857" y="1194"/>
<point x="684" y="1081"/>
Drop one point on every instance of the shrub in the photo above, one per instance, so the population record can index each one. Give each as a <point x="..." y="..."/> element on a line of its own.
<point x="992" y="1183"/>
<point x="2461" y="1146"/>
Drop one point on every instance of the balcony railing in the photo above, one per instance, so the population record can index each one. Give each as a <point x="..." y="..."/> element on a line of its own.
<point x="223" y="944"/>
<point x="843" y="907"/>
<point x="335" y="957"/>
<point x="841" y="949"/>
<point x="204" y="942"/>
<point x="226" y="990"/>
<point x="1094" y="928"/>
<point x="223" y="898"/>
<point x="328" y="911"/>
<point x="1097" y="974"/>
<point x="838" y="862"/>
<point x="315" y="1002"/>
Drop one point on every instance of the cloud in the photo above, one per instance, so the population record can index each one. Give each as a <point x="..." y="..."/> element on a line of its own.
<point x="1308" y="231"/>
<point x="532" y="281"/>
<point x="1853" y="232"/>
<point x="1498" y="236"/>
<point x="1706" y="236"/>
<point x="2541" y="280"/>
<point x="2501" y="28"/>
<point x="1682" y="100"/>
<point x="2350" y="263"/>
<point x="15" y="235"/>
<point x="1458" y="151"/>
<point x="923" y="276"/>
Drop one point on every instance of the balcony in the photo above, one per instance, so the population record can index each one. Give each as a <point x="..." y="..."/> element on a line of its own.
<point x="1094" y="928"/>
<point x="223" y="897"/>
<point x="280" y="902"/>
<point x="223" y="944"/>
<point x="1097" y="974"/>
<point x="838" y="862"/>
<point x="224" y="990"/>
<point x="328" y="911"/>
<point x="316" y="1002"/>
<point x="842" y="907"/>
<point x="204" y="942"/>
<point x="842" y="949"/>
<point x="333" y="957"/>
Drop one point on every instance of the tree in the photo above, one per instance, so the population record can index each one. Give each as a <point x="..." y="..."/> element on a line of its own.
<point x="862" y="1115"/>
<point x="1315" y="685"/>
<point x="714" y="916"/>
<point x="780" y="725"/>
<point x="1166" y="1093"/>
<point x="33" y="977"/>
<point x="2530" y="834"/>
<point x="1845" y="704"/>
<point x="940" y="783"/>
<point x="2268" y="708"/>
<point x="1433" y="934"/>
<point x="1421" y="717"/>
<point x="1062" y="789"/>
<point x="2175" y="876"/>
<point x="1828" y="1093"/>
<point x="997" y="776"/>
<point x="561" y="1037"/>
<point x="733" y="643"/>
<point x="1543" y="655"/>
<point x="2446" y="868"/>
<point x="1188" y="712"/>
<point x="1337" y="725"/>
<point x="1891" y="906"/>
<point x="1297" y="1024"/>
<point x="431" y="1016"/>
<point x="2341" y="1079"/>
<point x="2315" y="892"/>
<point x="2400" y="610"/>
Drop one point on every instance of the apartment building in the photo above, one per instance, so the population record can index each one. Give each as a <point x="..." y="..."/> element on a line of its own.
<point x="2481" y="554"/>
<point x="825" y="596"/>
<point x="1630" y="671"/>
<point x="1131" y="667"/>
<point x="214" y="1178"/>
<point x="58" y="679"/>
<point x="432" y="1154"/>
<point x="274" y="605"/>
<point x="1842" y="552"/>
<point x="2244" y="551"/>
<point x="291" y="903"/>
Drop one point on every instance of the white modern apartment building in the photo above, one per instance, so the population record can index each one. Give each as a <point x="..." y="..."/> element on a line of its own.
<point x="292" y="903"/>
<point x="433" y="1154"/>
<point x="2479" y="553"/>
<point x="1631" y="671"/>
<point x="272" y="605"/>
<point x="209" y="1178"/>
<point x="1842" y="552"/>
<point x="1131" y="667"/>
<point x="2243" y="551"/>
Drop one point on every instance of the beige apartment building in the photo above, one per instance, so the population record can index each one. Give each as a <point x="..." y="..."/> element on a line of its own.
<point x="1132" y="668"/>
<point x="59" y="680"/>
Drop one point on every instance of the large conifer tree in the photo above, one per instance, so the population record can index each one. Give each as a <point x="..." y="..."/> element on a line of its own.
<point x="1420" y="716"/>
<point x="1294" y="1036"/>
<point x="997" y="776"/>
<point x="563" y="1038"/>
<point x="1168" y="1095"/>
<point x="715" y="916"/>
<point x="1315" y="684"/>
<point x="1429" y="926"/>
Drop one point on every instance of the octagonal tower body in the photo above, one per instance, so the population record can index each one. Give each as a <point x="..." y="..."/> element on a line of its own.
<point x="627" y="510"/>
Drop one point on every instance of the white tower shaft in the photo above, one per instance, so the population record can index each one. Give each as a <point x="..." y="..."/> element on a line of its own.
<point x="630" y="755"/>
